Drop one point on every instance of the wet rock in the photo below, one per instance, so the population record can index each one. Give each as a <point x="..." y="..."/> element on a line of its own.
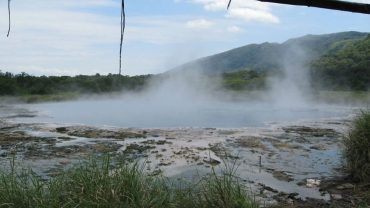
<point x="61" y="129"/>
<point x="251" y="142"/>
<point x="170" y="138"/>
<point x="64" y="162"/>
<point x="66" y="138"/>
<point x="268" y="188"/>
<point x="311" y="131"/>
<point x="105" y="147"/>
<point x="158" y="142"/>
<point x="165" y="163"/>
<point x="155" y="172"/>
<point x="3" y="153"/>
<point x="89" y="132"/>
<point x="10" y="138"/>
<point x="227" y="132"/>
<point x="161" y="142"/>
<point x="319" y="147"/>
<point x="292" y="195"/>
<point x="201" y="148"/>
<point x="138" y="148"/>
<point x="285" y="145"/>
<point x="301" y="183"/>
<point x="310" y="182"/>
<point x="212" y="161"/>
<point x="345" y="186"/>
<point x="282" y="176"/>
<point x="336" y="196"/>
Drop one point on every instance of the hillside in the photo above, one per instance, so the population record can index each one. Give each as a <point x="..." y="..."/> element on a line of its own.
<point x="347" y="68"/>
<point x="272" y="56"/>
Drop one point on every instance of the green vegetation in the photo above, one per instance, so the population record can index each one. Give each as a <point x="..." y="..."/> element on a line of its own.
<point x="24" y="84"/>
<point x="357" y="148"/>
<point x="244" y="80"/>
<point x="346" y="68"/>
<point x="97" y="184"/>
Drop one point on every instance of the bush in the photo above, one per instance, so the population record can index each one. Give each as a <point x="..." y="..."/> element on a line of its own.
<point x="357" y="147"/>
<point x="99" y="183"/>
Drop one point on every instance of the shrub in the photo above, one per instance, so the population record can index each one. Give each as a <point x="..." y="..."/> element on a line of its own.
<point x="357" y="147"/>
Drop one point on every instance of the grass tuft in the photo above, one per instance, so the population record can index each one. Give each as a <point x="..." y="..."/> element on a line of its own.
<point x="97" y="183"/>
<point x="357" y="147"/>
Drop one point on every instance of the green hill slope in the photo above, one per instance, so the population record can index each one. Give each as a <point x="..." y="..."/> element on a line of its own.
<point x="272" y="56"/>
<point x="346" y="68"/>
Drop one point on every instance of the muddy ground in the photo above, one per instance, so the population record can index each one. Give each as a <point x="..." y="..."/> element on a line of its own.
<point x="290" y="164"/>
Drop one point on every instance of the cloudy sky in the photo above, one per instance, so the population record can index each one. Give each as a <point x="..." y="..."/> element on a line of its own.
<point x="69" y="37"/>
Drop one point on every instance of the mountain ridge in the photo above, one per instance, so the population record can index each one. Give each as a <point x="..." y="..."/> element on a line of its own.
<point x="272" y="56"/>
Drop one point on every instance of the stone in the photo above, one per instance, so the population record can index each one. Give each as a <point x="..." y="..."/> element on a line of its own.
<point x="336" y="196"/>
<point x="345" y="186"/>
<point x="212" y="161"/>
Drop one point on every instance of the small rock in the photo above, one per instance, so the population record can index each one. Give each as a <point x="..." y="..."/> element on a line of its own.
<point x="282" y="176"/>
<point x="292" y="195"/>
<point x="212" y="161"/>
<point x="310" y="183"/>
<point x="61" y="129"/>
<point x="336" y="196"/>
<point x="64" y="162"/>
<point x="345" y="186"/>
<point x="290" y="201"/>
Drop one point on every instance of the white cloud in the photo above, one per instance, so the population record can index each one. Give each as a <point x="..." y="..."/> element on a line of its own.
<point x="248" y="14"/>
<point x="199" y="24"/>
<point x="246" y="10"/>
<point x="234" y="29"/>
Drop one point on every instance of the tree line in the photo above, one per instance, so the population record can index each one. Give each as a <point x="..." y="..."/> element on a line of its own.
<point x="25" y="84"/>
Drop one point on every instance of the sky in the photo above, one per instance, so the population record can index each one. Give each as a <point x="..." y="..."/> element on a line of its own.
<point x="72" y="37"/>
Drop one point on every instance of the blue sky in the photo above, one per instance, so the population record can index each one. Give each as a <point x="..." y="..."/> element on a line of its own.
<point x="69" y="37"/>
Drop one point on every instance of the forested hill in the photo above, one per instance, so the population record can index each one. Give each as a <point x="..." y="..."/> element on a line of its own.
<point x="346" y="68"/>
<point x="270" y="56"/>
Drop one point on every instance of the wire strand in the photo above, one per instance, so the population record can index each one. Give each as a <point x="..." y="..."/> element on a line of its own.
<point x="123" y="24"/>
<point x="8" y="18"/>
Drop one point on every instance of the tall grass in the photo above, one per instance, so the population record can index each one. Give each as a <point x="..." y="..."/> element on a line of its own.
<point x="357" y="147"/>
<point x="97" y="183"/>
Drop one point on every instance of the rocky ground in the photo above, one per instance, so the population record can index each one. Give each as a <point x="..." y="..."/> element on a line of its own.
<point x="295" y="165"/>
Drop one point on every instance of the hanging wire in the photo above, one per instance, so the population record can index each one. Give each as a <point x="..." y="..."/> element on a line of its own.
<point x="228" y="5"/>
<point x="123" y="24"/>
<point x="9" y="18"/>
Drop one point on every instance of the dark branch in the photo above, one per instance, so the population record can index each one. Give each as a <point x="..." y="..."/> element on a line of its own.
<point x="326" y="4"/>
<point x="123" y="24"/>
<point x="9" y="18"/>
<point x="228" y="5"/>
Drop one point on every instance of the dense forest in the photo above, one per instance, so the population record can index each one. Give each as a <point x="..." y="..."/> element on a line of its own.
<point x="24" y="84"/>
<point x="347" y="68"/>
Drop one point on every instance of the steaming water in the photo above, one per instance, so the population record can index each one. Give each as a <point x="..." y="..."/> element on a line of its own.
<point x="142" y="113"/>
